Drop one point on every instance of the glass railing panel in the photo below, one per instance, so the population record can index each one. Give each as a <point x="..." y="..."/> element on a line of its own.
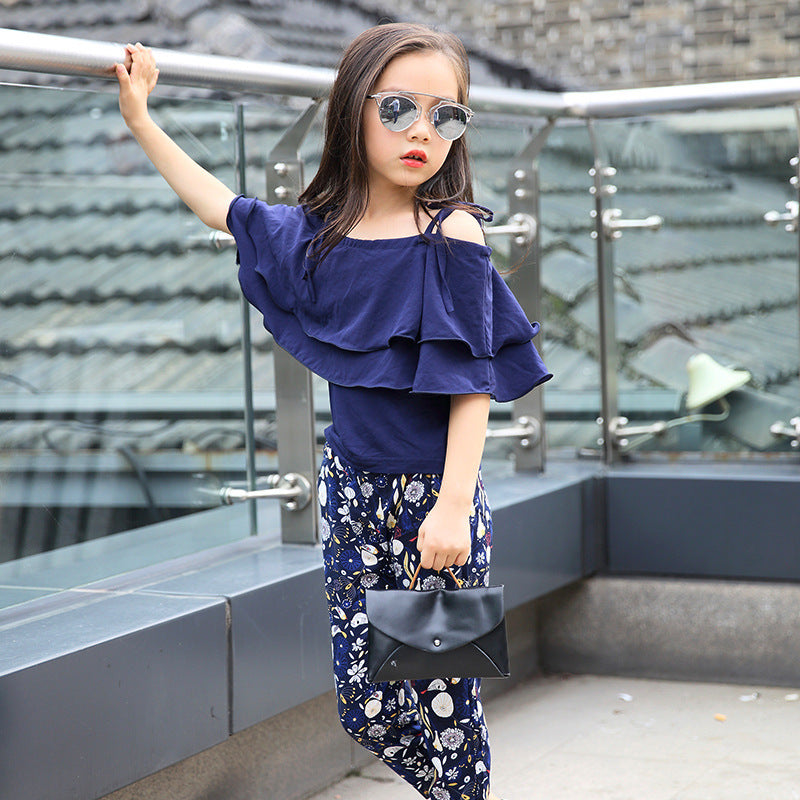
<point x="706" y="306"/>
<point x="120" y="364"/>
<point x="567" y="264"/>
<point x="567" y="267"/>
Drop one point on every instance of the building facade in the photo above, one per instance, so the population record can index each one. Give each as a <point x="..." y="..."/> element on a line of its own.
<point x="626" y="43"/>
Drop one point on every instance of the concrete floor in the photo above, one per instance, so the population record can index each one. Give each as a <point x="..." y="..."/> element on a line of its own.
<point x="611" y="738"/>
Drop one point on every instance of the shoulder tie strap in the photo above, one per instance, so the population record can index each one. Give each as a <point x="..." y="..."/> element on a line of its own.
<point x="437" y="245"/>
<point x="437" y="221"/>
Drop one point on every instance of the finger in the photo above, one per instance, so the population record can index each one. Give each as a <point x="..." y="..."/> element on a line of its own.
<point x="122" y="75"/>
<point x="426" y="556"/>
<point x="420" y="540"/>
<point x="462" y="558"/>
<point x="439" y="561"/>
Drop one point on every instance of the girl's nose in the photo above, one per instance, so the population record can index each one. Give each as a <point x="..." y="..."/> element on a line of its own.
<point x="421" y="130"/>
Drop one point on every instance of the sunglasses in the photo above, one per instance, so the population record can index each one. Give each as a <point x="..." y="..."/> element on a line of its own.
<point x="399" y="111"/>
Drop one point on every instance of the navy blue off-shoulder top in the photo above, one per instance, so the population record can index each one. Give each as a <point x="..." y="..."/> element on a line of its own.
<point x="395" y="326"/>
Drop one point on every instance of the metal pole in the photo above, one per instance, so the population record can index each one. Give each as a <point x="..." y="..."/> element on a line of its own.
<point x="247" y="349"/>
<point x="62" y="55"/>
<point x="525" y="251"/>
<point x="796" y="163"/>
<point x="294" y="399"/>
<point x="607" y="324"/>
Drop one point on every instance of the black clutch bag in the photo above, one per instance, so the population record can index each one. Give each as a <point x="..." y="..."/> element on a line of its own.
<point x="437" y="633"/>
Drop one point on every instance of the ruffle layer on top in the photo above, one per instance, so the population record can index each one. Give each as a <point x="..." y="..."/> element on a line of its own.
<point x="420" y="313"/>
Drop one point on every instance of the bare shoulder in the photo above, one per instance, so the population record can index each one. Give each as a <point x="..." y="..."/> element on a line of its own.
<point x="462" y="225"/>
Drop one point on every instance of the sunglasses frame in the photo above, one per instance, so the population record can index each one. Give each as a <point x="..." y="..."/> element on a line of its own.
<point x="378" y="98"/>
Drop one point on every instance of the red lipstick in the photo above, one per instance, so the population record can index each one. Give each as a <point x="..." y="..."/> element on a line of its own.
<point x="414" y="158"/>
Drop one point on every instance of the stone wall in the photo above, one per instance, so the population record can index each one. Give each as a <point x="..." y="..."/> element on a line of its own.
<point x="624" y="43"/>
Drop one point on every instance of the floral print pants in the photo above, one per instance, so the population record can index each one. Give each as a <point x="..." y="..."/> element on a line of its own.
<point x="430" y="732"/>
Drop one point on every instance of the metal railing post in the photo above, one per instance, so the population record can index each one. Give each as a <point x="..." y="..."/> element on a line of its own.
<point x="791" y="220"/>
<point x="294" y="399"/>
<point x="247" y="347"/>
<point x="609" y="226"/>
<point x="525" y="254"/>
<point x="607" y="322"/>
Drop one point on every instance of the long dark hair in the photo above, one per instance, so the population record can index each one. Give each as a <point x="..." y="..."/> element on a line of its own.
<point x="339" y="191"/>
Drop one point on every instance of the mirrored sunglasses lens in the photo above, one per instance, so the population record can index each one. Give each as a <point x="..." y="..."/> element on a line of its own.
<point x="450" y="121"/>
<point x="397" y="113"/>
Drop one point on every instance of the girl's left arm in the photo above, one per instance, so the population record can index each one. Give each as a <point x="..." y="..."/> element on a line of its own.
<point x="444" y="536"/>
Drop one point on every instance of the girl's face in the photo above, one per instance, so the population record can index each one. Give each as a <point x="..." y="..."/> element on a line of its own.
<point x="408" y="158"/>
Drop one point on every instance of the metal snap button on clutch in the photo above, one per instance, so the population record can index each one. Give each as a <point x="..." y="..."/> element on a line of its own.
<point x="437" y="642"/>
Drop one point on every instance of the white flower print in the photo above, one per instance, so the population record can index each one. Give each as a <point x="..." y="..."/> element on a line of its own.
<point x="433" y="582"/>
<point x="414" y="491"/>
<point x="405" y="718"/>
<point x="376" y="731"/>
<point x="367" y="489"/>
<point x="357" y="671"/>
<point x="359" y="619"/>
<point x="369" y="555"/>
<point x="440" y="794"/>
<point x="322" y="493"/>
<point x="452" y="738"/>
<point x="369" y="579"/>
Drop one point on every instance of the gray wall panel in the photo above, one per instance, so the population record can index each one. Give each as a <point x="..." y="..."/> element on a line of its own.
<point x="538" y="544"/>
<point x="83" y="723"/>
<point x="714" y="526"/>
<point x="281" y="647"/>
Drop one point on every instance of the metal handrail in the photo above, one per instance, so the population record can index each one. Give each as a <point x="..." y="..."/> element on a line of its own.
<point x="62" y="55"/>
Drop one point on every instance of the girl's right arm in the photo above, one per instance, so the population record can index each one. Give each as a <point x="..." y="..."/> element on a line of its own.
<point x="206" y="196"/>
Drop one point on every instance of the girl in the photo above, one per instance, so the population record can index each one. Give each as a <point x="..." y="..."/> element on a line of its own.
<point x="380" y="281"/>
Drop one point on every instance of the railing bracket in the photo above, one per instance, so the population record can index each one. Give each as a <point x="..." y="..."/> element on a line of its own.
<point x="521" y="226"/>
<point x="527" y="429"/>
<point x="790" y="431"/>
<point x="614" y="224"/>
<point x="774" y="218"/>
<point x="292" y="489"/>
